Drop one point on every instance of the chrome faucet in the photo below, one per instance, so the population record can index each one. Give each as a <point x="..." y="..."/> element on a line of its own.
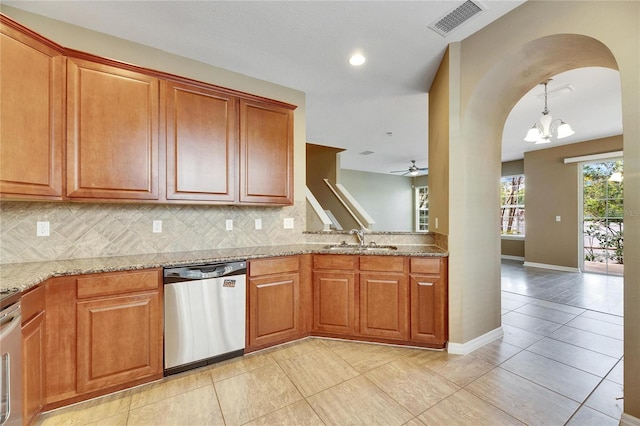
<point x="360" y="234"/>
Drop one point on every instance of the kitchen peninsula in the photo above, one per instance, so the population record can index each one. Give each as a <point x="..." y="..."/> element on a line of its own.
<point x="293" y="291"/>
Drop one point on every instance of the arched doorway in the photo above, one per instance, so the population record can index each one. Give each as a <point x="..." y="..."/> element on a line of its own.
<point x="475" y="144"/>
<point x="486" y="74"/>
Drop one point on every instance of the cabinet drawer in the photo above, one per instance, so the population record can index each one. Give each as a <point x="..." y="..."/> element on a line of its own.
<point x="276" y="265"/>
<point x="32" y="303"/>
<point x="382" y="263"/>
<point x="117" y="283"/>
<point x="334" y="261"/>
<point x="425" y="265"/>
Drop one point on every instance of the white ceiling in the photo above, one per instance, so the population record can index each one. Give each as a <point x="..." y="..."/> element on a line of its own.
<point x="305" y="45"/>
<point x="593" y="109"/>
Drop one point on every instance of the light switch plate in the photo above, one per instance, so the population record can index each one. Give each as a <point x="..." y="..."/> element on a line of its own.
<point x="288" y="223"/>
<point x="258" y="223"/>
<point x="157" y="226"/>
<point x="558" y="218"/>
<point x="229" y="224"/>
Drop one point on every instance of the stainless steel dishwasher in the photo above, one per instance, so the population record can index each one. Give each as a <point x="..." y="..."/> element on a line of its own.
<point x="204" y="314"/>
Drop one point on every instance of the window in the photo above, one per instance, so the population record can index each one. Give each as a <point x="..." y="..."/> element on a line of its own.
<point x="422" y="208"/>
<point x="512" y="205"/>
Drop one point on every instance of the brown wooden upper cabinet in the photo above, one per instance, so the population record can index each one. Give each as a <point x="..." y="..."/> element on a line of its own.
<point x="32" y="85"/>
<point x="201" y="143"/>
<point x="112" y="132"/>
<point x="266" y="153"/>
<point x="222" y="146"/>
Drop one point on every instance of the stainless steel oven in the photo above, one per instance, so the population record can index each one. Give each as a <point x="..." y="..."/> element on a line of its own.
<point x="10" y="362"/>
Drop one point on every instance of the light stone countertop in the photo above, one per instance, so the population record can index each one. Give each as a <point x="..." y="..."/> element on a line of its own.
<point x="22" y="276"/>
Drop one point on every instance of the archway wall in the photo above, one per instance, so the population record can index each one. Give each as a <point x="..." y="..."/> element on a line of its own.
<point x="488" y="73"/>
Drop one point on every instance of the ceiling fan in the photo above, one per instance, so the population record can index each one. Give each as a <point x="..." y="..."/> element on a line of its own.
<point x="412" y="171"/>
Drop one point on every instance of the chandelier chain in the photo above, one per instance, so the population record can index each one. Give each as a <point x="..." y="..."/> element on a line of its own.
<point x="546" y="110"/>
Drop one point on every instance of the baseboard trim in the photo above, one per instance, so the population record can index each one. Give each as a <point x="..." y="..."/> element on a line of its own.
<point x="554" y="267"/>
<point x="508" y="257"/>
<point x="473" y="344"/>
<point x="629" y="420"/>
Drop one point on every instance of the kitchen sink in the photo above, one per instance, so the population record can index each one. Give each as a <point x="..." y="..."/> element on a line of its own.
<point x="358" y="247"/>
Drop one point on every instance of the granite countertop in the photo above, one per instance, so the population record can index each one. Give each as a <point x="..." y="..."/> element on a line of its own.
<point x="22" y="276"/>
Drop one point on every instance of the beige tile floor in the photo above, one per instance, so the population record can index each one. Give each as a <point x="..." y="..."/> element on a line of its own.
<point x="567" y="372"/>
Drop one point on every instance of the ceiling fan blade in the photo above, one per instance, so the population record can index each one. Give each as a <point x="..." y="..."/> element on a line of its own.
<point x="412" y="169"/>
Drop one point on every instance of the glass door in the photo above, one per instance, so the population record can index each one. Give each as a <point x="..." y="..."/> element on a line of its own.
<point x="603" y="217"/>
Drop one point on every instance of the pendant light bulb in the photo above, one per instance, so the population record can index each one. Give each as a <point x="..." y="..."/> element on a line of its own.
<point x="533" y="134"/>
<point x="564" y="130"/>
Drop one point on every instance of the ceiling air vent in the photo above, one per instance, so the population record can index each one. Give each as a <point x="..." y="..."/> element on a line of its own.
<point x="452" y="20"/>
<point x="366" y="153"/>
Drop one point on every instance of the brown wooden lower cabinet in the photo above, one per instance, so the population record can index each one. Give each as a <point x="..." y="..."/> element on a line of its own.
<point x="384" y="305"/>
<point x="334" y="302"/>
<point x="429" y="313"/>
<point x="60" y="344"/>
<point x="390" y="299"/>
<point x="427" y="309"/>
<point x="273" y="302"/>
<point x="33" y="354"/>
<point x="118" y="340"/>
<point x="104" y="333"/>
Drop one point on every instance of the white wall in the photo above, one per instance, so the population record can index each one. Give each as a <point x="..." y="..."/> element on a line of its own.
<point x="388" y="199"/>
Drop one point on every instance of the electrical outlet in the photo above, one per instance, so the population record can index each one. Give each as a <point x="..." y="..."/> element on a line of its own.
<point x="229" y="224"/>
<point x="288" y="223"/>
<point x="258" y="223"/>
<point x="42" y="229"/>
<point x="157" y="226"/>
<point x="558" y="218"/>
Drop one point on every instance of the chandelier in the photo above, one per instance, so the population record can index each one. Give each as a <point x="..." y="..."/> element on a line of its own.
<point x="542" y="131"/>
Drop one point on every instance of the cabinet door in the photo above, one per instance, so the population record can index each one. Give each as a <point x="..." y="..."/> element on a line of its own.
<point x="31" y="83"/>
<point x="112" y="132"/>
<point x="428" y="309"/>
<point x="201" y="144"/>
<point x="33" y="344"/>
<point x="384" y="305"/>
<point x="61" y="338"/>
<point x="266" y="153"/>
<point x="273" y="309"/>
<point x="334" y="307"/>
<point x="119" y="340"/>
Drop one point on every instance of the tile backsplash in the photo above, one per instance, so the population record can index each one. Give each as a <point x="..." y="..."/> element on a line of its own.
<point x="97" y="230"/>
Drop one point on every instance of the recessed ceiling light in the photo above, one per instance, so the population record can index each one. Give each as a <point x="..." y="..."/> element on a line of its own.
<point x="357" y="59"/>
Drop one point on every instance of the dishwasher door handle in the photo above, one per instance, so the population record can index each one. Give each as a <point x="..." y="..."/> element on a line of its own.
<point x="9" y="315"/>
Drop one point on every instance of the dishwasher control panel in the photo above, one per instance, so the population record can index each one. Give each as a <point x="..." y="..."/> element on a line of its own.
<point x="204" y="272"/>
